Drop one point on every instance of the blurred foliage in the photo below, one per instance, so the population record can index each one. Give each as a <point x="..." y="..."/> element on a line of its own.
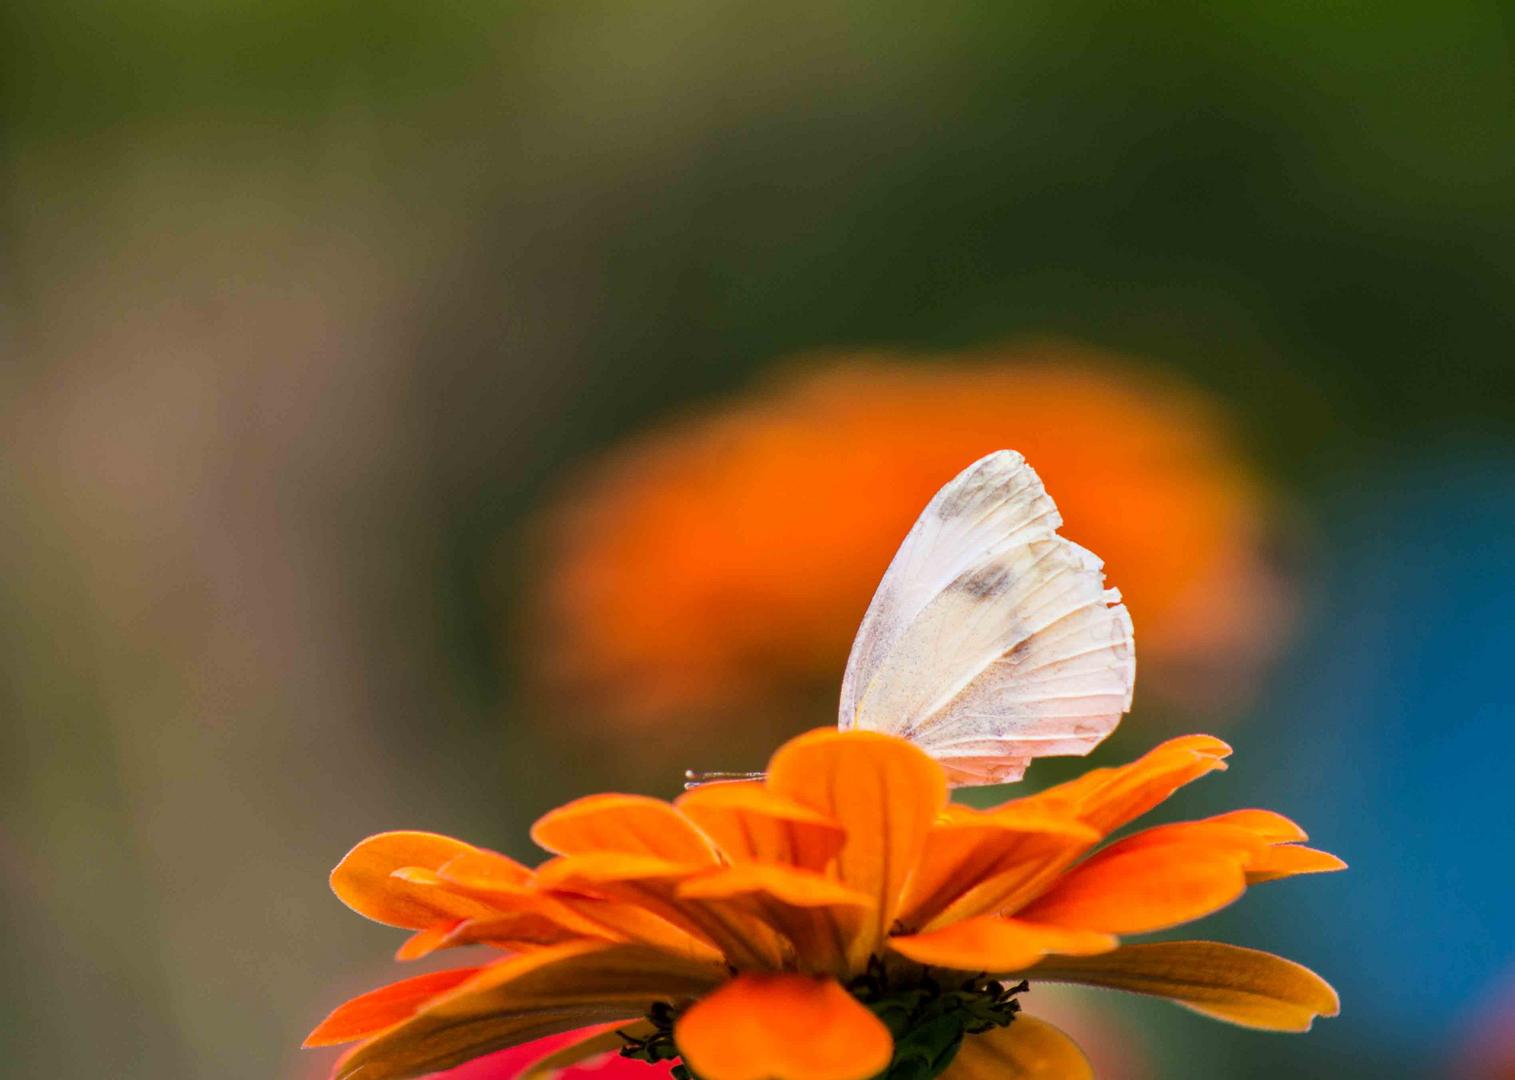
<point x="306" y="305"/>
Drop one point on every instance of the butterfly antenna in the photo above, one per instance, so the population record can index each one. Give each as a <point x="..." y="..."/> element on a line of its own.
<point x="693" y="778"/>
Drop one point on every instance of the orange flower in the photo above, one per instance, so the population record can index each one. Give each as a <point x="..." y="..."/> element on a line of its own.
<point x="835" y="917"/>
<point x="724" y="558"/>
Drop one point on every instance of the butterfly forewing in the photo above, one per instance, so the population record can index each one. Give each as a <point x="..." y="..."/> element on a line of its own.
<point x="991" y="639"/>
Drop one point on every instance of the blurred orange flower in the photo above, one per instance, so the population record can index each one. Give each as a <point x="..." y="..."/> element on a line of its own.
<point x="832" y="921"/>
<point x="730" y="555"/>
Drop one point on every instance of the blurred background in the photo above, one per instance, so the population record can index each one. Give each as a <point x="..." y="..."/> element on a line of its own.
<point x="419" y="415"/>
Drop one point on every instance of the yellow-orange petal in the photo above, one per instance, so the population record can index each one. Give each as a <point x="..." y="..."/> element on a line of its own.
<point x="818" y="916"/>
<point x="975" y="860"/>
<point x="384" y="1007"/>
<point x="998" y="945"/>
<point x="751" y="823"/>
<point x="1112" y="797"/>
<point x="652" y="884"/>
<point x="1029" y="1049"/>
<point x="1287" y="860"/>
<point x="885" y="793"/>
<point x="365" y="880"/>
<point x="1227" y="982"/>
<point x="1143" y="888"/>
<point x="624" y="825"/>
<point x="526" y="997"/>
<point x="758" y="1027"/>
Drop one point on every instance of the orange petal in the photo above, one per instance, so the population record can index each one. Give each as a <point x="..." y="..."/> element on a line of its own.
<point x="885" y="793"/>
<point x="1195" y="837"/>
<point x="652" y="884"/>
<point x="1110" y="798"/>
<point x="752" y="824"/>
<point x="819" y="917"/>
<point x="1286" y="860"/>
<point x="1260" y="838"/>
<point x="1242" y="986"/>
<point x="526" y="997"/>
<point x="1029" y="1049"/>
<point x="757" y="1027"/>
<point x="519" y="917"/>
<point x="1133" y="887"/>
<point x="620" y="921"/>
<point x="998" y="945"/>
<point x="515" y="931"/>
<point x="484" y="866"/>
<point x="425" y="942"/>
<point x="626" y="825"/>
<point x="365" y="880"/>
<point x="381" y="1008"/>
<point x="975" y="860"/>
<point x="1275" y="852"/>
<point x="1264" y="824"/>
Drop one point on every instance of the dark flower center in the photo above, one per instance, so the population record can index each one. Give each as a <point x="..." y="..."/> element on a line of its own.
<point x="929" y="1019"/>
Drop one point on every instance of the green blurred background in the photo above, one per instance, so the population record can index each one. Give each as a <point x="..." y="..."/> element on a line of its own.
<point x="305" y="307"/>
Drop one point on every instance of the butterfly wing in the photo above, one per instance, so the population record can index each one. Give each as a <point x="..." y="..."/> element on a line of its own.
<point x="991" y="640"/>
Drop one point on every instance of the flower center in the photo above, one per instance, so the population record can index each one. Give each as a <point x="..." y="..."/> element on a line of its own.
<point x="928" y="1018"/>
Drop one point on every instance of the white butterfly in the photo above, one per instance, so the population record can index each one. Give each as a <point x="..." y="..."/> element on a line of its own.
<point x="991" y="639"/>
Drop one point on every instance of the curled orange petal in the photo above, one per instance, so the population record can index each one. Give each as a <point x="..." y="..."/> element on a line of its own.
<point x="624" y="825"/>
<point x="372" y="879"/>
<point x="758" y="1027"/>
<point x="1000" y="945"/>
<point x="1112" y="797"/>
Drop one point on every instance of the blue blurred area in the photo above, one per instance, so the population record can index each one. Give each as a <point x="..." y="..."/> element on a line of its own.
<point x="1400" y="717"/>
<point x="1389" y="736"/>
